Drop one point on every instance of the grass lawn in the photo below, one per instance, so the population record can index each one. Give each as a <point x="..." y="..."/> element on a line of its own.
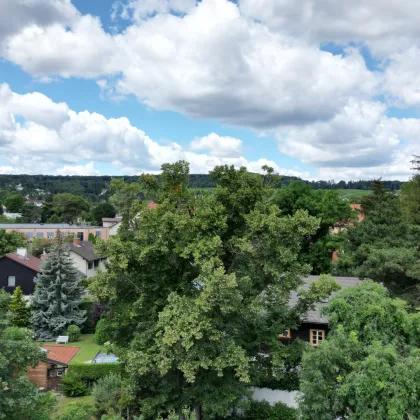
<point x="64" y="401"/>
<point x="354" y="196"/>
<point x="88" y="348"/>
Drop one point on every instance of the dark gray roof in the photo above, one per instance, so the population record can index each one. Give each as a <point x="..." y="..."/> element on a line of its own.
<point x="86" y="250"/>
<point x="53" y="226"/>
<point x="314" y="315"/>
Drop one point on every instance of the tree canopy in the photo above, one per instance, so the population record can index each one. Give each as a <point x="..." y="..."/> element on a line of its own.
<point x="14" y="203"/>
<point x="198" y="288"/>
<point x="368" y="368"/>
<point x="10" y="241"/>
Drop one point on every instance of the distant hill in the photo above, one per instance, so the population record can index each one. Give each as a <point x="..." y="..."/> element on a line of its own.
<point x="96" y="188"/>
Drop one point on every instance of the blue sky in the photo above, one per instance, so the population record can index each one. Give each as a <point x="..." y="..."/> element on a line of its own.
<point x="108" y="87"/>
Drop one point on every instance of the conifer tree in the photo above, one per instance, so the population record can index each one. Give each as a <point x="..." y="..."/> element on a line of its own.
<point x="58" y="294"/>
<point x="19" y="309"/>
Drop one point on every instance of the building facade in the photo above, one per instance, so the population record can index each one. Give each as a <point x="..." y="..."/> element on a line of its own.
<point x="85" y="259"/>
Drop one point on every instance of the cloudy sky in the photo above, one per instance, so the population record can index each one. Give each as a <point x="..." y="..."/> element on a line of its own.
<point x="321" y="89"/>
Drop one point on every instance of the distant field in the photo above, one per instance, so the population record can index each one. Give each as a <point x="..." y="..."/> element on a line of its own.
<point x="354" y="196"/>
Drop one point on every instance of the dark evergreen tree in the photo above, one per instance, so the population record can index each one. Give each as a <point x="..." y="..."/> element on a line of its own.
<point x="19" y="309"/>
<point x="58" y="294"/>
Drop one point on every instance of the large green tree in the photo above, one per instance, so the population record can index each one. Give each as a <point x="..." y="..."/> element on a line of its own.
<point x="14" y="203"/>
<point x="31" y="213"/>
<point x="198" y="288"/>
<point x="368" y="368"/>
<point x="410" y="195"/>
<point x="58" y="294"/>
<point x="19" y="309"/>
<point x="101" y="210"/>
<point x="325" y="205"/>
<point x="68" y="207"/>
<point x="384" y="247"/>
<point x="19" y="399"/>
<point x="10" y="241"/>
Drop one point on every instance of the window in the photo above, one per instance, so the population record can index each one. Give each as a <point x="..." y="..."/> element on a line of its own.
<point x="50" y="235"/>
<point x="316" y="337"/>
<point x="90" y="265"/>
<point x="11" y="281"/>
<point x="80" y="235"/>
<point x="285" y="333"/>
<point x="40" y="234"/>
<point x="96" y="263"/>
<point x="29" y="234"/>
<point x="98" y="233"/>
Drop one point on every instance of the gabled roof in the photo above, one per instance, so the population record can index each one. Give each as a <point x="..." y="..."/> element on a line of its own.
<point x="86" y="250"/>
<point x="61" y="354"/>
<point x="29" y="261"/>
<point x="314" y="315"/>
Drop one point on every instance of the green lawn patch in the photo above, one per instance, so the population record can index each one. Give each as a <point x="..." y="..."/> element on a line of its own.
<point x="354" y="196"/>
<point x="88" y="348"/>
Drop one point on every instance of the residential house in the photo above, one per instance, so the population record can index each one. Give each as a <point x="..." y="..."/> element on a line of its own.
<point x="112" y="223"/>
<point x="47" y="230"/>
<point x="19" y="269"/>
<point x="85" y="259"/>
<point x="47" y="375"/>
<point x="314" y="327"/>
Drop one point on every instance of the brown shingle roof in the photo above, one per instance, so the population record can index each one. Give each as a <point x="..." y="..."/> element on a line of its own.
<point x="62" y="354"/>
<point x="29" y="261"/>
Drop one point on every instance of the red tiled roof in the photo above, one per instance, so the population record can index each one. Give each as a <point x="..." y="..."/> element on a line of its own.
<point x="151" y="205"/>
<point x="29" y="261"/>
<point x="63" y="354"/>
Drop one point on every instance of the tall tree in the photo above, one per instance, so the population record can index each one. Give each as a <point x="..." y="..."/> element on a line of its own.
<point x="368" y="367"/>
<point x="327" y="206"/>
<point x="58" y="294"/>
<point x="14" y="203"/>
<point x="10" y="241"/>
<point x="19" y="309"/>
<point x="198" y="289"/>
<point x="68" y="207"/>
<point x="410" y="195"/>
<point x="101" y="210"/>
<point x="31" y="213"/>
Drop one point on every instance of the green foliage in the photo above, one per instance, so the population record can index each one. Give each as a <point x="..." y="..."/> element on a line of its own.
<point x="199" y="285"/>
<point x="101" y="210"/>
<point x="10" y="241"/>
<point x="323" y="204"/>
<point x="39" y="244"/>
<point x="79" y="410"/>
<point x="68" y="207"/>
<point x="101" y="336"/>
<point x="30" y="213"/>
<point x="264" y="411"/>
<point x="370" y="363"/>
<point x="73" y="331"/>
<point x="73" y="386"/>
<point x="107" y="393"/>
<point x="45" y="406"/>
<point x="14" y="203"/>
<point x="89" y="373"/>
<point x="88" y="326"/>
<point x="56" y="303"/>
<point x="19" y="309"/>
<point x="92" y="238"/>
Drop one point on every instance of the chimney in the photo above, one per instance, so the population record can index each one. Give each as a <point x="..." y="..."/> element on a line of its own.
<point x="21" y="252"/>
<point x="76" y="241"/>
<point x="44" y="254"/>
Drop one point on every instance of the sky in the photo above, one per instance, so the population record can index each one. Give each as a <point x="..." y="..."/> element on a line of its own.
<point x="320" y="89"/>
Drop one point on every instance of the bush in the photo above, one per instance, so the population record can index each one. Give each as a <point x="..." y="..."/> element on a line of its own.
<point x="262" y="410"/>
<point x="78" y="410"/>
<point x="107" y="393"/>
<point x="90" y="373"/>
<point x="101" y="336"/>
<point x="88" y="326"/>
<point x="73" y="386"/>
<point x="98" y="311"/>
<point x="73" y="331"/>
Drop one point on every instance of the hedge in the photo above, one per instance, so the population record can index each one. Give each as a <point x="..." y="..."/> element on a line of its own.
<point x="89" y="373"/>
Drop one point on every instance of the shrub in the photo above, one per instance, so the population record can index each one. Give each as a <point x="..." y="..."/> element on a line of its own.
<point x="97" y="311"/>
<point x="73" y="386"/>
<point x="78" y="410"/>
<point x="73" y="331"/>
<point x="107" y="393"/>
<point x="100" y="333"/>
<point x="262" y="410"/>
<point x="90" y="373"/>
<point x="88" y="326"/>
